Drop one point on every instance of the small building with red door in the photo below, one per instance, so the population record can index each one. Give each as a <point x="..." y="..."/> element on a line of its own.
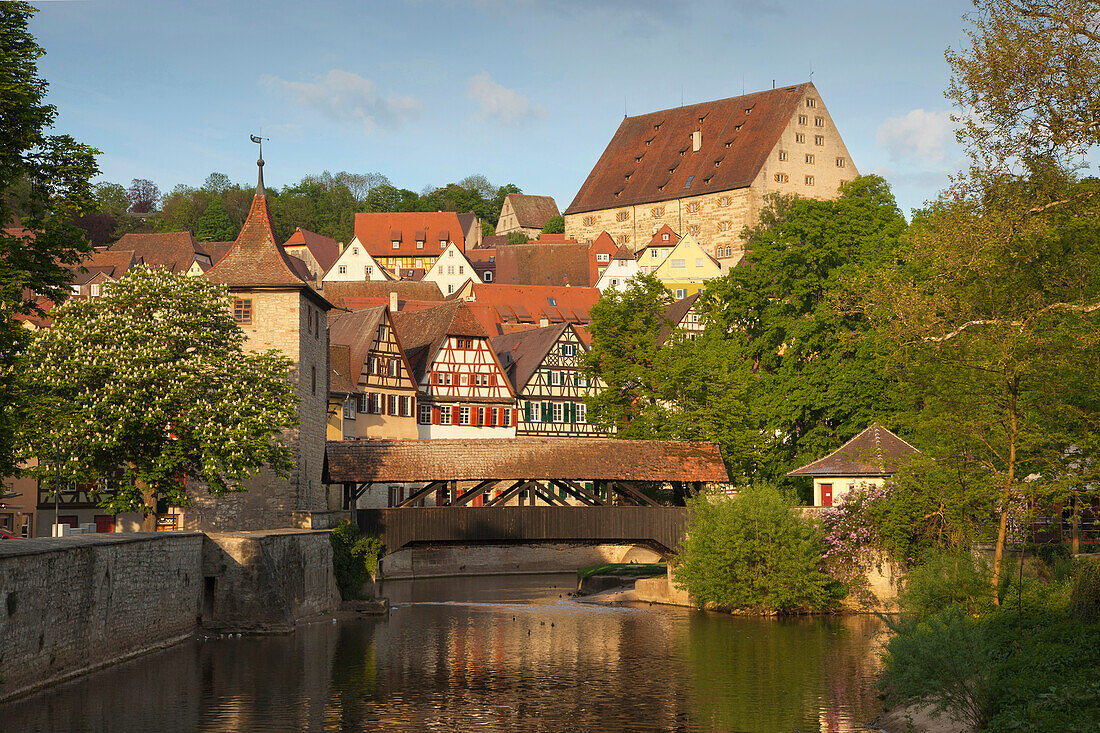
<point x="870" y="458"/>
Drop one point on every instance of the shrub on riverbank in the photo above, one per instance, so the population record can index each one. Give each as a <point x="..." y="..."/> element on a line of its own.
<point x="1028" y="664"/>
<point x="354" y="559"/>
<point x="754" y="553"/>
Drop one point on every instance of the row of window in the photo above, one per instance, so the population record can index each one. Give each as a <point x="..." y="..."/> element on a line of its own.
<point x="420" y="244"/>
<point x="465" y="415"/>
<point x="818" y="121"/>
<point x="560" y="378"/>
<point x="555" y="412"/>
<point x="389" y="366"/>
<point x="479" y="379"/>
<point x="377" y="403"/>
<point x="367" y="270"/>
<point x="784" y="178"/>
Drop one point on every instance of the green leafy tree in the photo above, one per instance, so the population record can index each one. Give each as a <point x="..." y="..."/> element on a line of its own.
<point x="149" y="388"/>
<point x="516" y="238"/>
<point x="753" y="553"/>
<point x="143" y="195"/>
<point x="556" y="225"/>
<point x="816" y="384"/>
<point x="44" y="181"/>
<point x="215" y="225"/>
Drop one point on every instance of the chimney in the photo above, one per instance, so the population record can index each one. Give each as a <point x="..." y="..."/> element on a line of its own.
<point x="393" y="301"/>
<point x="340" y="247"/>
<point x="696" y="141"/>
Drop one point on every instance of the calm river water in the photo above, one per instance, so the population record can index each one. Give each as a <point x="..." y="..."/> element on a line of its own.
<point x="489" y="654"/>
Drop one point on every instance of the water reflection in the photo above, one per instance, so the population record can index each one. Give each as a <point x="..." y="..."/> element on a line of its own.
<point x="507" y="655"/>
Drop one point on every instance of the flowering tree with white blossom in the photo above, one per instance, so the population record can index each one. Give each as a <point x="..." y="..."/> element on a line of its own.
<point x="149" y="388"/>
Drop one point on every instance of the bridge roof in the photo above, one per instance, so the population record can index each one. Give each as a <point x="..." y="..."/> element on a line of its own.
<point x="578" y="459"/>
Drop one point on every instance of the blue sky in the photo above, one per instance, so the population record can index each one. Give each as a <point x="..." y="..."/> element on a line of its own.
<point x="523" y="91"/>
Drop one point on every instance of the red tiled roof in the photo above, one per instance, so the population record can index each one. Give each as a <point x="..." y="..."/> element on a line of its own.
<point x="579" y="459"/>
<point x="530" y="303"/>
<point x="545" y="238"/>
<point x="605" y="245"/>
<point x="650" y="156"/>
<point x="216" y="250"/>
<point x="378" y="231"/>
<point x="658" y="239"/>
<point x="532" y="212"/>
<point x="543" y="264"/>
<point x="113" y="263"/>
<point x="874" y="452"/>
<point x="521" y="352"/>
<point x="339" y="291"/>
<point x="422" y="332"/>
<point x="324" y="249"/>
<point x="174" y="251"/>
<point x="340" y="379"/>
<point x="494" y="240"/>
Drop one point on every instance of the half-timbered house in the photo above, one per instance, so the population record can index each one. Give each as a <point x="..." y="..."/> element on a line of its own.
<point x="372" y="392"/>
<point x="462" y="388"/>
<point x="543" y="365"/>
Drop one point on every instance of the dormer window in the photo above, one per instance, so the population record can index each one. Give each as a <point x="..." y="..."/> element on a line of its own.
<point x="443" y="244"/>
<point x="420" y="244"/>
<point x="397" y="245"/>
<point x="665" y="236"/>
<point x="552" y="301"/>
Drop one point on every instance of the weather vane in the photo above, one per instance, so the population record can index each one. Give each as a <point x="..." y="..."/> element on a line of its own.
<point x="259" y="141"/>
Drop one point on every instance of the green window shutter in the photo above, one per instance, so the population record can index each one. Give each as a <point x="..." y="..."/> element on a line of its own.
<point x="572" y="411"/>
<point x="527" y="411"/>
<point x="547" y="412"/>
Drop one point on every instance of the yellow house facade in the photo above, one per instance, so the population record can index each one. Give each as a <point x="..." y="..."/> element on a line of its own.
<point x="686" y="268"/>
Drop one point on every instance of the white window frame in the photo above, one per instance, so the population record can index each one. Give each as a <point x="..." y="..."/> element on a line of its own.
<point x="559" y="412"/>
<point x="463" y="415"/>
<point x="425" y="414"/>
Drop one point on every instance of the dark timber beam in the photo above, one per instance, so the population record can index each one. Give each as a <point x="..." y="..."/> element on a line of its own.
<point x="473" y="493"/>
<point x="420" y="493"/>
<point x="514" y="490"/>
<point x="629" y="492"/>
<point x="578" y="492"/>
<point x="547" y="495"/>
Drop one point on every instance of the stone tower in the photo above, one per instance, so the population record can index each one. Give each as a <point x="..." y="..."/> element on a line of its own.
<point x="277" y="309"/>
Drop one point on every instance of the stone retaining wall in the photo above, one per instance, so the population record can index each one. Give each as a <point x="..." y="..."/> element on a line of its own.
<point x="70" y="605"/>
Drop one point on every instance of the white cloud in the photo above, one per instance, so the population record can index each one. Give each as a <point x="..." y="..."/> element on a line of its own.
<point x="917" y="135"/>
<point x="346" y="96"/>
<point x="499" y="103"/>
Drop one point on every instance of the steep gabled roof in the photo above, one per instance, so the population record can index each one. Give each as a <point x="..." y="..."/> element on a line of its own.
<point x="356" y="331"/>
<point x="324" y="249"/>
<point x="422" y="332"/>
<point x="650" y="157"/>
<point x="216" y="250"/>
<point x="521" y="352"/>
<point x="112" y="263"/>
<point x="532" y="212"/>
<point x="337" y="291"/>
<point x="874" y="452"/>
<point x="674" y="315"/>
<point x="256" y="260"/>
<point x="173" y="251"/>
<point x="340" y="378"/>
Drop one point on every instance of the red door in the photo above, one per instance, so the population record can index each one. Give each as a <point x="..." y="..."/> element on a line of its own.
<point x="104" y="523"/>
<point x="826" y="494"/>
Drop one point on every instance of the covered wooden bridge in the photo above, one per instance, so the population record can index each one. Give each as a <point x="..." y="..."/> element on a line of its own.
<point x="495" y="472"/>
<point x="464" y="488"/>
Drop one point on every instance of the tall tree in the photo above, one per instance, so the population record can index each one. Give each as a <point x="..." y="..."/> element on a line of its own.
<point x="816" y="384"/>
<point x="215" y="225"/>
<point x="44" y="180"/>
<point x="143" y="195"/>
<point x="150" y="388"/>
<point x="555" y="225"/>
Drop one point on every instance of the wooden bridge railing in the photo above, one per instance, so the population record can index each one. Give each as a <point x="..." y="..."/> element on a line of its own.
<point x="659" y="527"/>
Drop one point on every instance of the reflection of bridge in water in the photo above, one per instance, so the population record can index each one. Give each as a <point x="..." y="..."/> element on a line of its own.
<point x="578" y="489"/>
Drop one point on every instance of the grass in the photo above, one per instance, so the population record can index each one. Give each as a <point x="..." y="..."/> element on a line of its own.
<point x="627" y="569"/>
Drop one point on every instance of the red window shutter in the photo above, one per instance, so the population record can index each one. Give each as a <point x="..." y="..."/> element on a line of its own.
<point x="478" y="412"/>
<point x="514" y="418"/>
<point x="454" y="415"/>
<point x="435" y="415"/>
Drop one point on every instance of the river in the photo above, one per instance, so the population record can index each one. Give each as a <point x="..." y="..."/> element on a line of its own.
<point x="490" y="654"/>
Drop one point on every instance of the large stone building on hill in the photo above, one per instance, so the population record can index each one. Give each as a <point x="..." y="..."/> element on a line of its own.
<point x="705" y="169"/>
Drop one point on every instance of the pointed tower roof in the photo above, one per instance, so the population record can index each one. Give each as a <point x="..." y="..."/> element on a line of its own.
<point x="255" y="259"/>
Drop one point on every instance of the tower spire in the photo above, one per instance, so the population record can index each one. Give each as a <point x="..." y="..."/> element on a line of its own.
<point x="259" y="164"/>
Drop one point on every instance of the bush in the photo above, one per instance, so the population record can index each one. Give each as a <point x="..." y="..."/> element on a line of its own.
<point x="754" y="553"/>
<point x="1084" y="594"/>
<point x="354" y="559"/>
<point x="945" y="579"/>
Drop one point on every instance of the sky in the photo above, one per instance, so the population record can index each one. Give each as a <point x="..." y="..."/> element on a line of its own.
<point x="528" y="92"/>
